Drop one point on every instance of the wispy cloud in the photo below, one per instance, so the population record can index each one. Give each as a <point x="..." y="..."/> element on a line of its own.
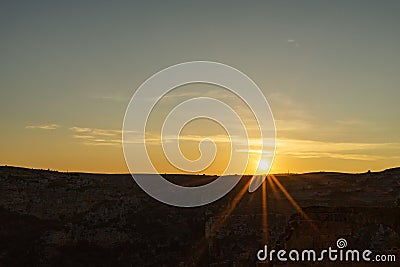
<point x="288" y="108"/>
<point x="97" y="137"/>
<point x="43" y="126"/>
<point x="322" y="146"/>
<point x="80" y="129"/>
<point x="293" y="42"/>
<point x="294" y="125"/>
<point x="153" y="138"/>
<point x="308" y="149"/>
<point x="321" y="149"/>
<point x="297" y="148"/>
<point x="350" y="122"/>
<point x="310" y="155"/>
<point x="79" y="136"/>
<point x="103" y="142"/>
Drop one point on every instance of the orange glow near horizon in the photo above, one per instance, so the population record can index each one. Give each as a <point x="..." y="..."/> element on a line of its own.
<point x="100" y="151"/>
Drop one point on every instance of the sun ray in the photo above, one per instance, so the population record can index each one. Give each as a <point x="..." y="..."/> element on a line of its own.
<point x="294" y="203"/>
<point x="264" y="212"/>
<point x="273" y="187"/>
<point x="222" y="217"/>
<point x="231" y="207"/>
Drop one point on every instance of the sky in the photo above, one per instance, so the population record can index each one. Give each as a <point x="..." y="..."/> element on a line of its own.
<point x="329" y="70"/>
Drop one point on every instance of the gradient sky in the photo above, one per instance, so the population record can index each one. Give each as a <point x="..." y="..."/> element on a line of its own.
<point x="329" y="69"/>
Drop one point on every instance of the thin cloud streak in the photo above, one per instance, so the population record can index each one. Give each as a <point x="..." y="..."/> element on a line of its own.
<point x="97" y="137"/>
<point x="307" y="149"/>
<point x="297" y="148"/>
<point x="43" y="127"/>
<point x="288" y="145"/>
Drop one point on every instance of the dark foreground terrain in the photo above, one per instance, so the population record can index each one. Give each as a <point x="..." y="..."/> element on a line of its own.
<point x="50" y="218"/>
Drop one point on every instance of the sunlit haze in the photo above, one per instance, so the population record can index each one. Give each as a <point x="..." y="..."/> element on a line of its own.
<point x="329" y="71"/>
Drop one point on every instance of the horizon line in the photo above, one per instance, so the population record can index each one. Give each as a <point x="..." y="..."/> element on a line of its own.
<point x="193" y="174"/>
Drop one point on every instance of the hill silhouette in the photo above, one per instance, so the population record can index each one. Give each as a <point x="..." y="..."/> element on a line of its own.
<point x="82" y="219"/>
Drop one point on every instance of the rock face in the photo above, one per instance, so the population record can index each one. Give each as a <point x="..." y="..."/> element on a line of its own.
<point x="72" y="219"/>
<point x="375" y="229"/>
